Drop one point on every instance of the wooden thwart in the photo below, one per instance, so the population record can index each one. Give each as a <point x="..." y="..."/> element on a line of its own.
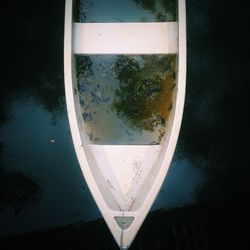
<point x="125" y="38"/>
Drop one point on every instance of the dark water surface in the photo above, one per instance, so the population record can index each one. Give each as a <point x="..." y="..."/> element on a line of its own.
<point x="204" y="198"/>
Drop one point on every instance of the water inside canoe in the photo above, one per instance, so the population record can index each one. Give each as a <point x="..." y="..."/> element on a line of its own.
<point x="126" y="99"/>
<point x="125" y="10"/>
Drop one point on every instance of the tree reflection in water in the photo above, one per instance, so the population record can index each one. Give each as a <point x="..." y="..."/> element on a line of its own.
<point x="132" y="94"/>
<point x="33" y="61"/>
<point x="144" y="97"/>
<point x="112" y="11"/>
<point x="163" y="10"/>
<point x="17" y="191"/>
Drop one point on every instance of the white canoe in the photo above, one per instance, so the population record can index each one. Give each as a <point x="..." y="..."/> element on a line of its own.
<point x="124" y="179"/>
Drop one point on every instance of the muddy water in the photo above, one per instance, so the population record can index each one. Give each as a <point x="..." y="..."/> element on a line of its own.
<point x="126" y="99"/>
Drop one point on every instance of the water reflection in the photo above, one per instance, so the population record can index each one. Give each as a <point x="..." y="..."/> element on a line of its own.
<point x="33" y="55"/>
<point x="125" y="11"/>
<point x="26" y="53"/>
<point x="24" y="73"/>
<point x="215" y="131"/>
<point x="17" y="191"/>
<point x="144" y="96"/>
<point x="164" y="10"/>
<point x="38" y="153"/>
<point x="40" y="182"/>
<point x="126" y="99"/>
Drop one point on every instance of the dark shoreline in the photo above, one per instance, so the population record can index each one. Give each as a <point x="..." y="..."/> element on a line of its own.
<point x="224" y="226"/>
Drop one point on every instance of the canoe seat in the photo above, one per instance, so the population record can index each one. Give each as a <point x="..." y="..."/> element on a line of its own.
<point x="125" y="38"/>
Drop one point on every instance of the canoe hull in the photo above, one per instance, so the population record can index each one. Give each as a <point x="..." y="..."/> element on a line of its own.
<point x="124" y="209"/>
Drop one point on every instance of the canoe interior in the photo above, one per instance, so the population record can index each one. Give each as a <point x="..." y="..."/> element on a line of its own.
<point x="124" y="172"/>
<point x="125" y="106"/>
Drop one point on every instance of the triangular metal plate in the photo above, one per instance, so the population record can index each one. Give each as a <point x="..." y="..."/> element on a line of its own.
<point x="124" y="222"/>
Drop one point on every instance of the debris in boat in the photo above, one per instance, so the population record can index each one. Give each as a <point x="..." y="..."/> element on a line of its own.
<point x="82" y="102"/>
<point x="86" y="116"/>
<point x="170" y="106"/>
<point x="110" y="185"/>
<point x="154" y="143"/>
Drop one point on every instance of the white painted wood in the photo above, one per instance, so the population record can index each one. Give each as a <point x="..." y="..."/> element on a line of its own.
<point x="146" y="189"/>
<point x="125" y="38"/>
